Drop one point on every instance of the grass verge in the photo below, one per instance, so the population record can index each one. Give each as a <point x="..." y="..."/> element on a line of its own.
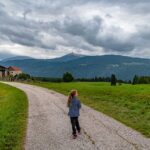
<point x="13" y="117"/>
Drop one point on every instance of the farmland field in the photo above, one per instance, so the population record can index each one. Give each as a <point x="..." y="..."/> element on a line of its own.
<point x="13" y="117"/>
<point x="130" y="104"/>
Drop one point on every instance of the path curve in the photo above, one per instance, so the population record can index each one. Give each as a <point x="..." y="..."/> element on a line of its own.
<point x="49" y="126"/>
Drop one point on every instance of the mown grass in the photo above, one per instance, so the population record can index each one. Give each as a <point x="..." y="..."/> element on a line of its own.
<point x="130" y="104"/>
<point x="13" y="117"/>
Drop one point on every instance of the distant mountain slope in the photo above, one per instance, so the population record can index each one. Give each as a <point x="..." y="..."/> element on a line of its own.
<point x="68" y="57"/>
<point x="17" y="58"/>
<point x="87" y="66"/>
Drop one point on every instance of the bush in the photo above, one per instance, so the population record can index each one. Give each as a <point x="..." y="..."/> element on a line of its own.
<point x="22" y="77"/>
<point x="47" y="79"/>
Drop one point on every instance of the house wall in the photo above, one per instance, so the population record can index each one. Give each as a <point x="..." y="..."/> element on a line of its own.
<point x="3" y="74"/>
<point x="2" y="71"/>
<point x="6" y="73"/>
<point x="14" y="72"/>
<point x="0" y="74"/>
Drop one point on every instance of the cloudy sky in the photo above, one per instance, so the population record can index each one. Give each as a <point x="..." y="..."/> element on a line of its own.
<point x="52" y="28"/>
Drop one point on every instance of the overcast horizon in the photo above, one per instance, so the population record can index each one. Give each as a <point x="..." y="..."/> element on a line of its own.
<point x="53" y="28"/>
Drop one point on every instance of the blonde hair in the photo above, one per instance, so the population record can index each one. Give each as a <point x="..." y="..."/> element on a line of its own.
<point x="71" y="95"/>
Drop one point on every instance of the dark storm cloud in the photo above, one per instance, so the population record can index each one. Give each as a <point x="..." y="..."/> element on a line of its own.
<point x="21" y="32"/>
<point x="91" y="31"/>
<point x="49" y="24"/>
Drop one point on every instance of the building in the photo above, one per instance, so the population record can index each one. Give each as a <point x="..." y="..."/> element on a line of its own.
<point x="14" y="70"/>
<point x="3" y="72"/>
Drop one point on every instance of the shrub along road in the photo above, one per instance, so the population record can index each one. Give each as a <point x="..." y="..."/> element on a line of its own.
<point x="49" y="126"/>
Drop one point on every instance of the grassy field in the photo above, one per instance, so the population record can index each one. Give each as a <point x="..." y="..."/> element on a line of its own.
<point x="13" y="117"/>
<point x="130" y="104"/>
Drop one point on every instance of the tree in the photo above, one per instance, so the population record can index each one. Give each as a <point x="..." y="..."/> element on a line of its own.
<point x="10" y="77"/>
<point x="113" y="80"/>
<point x="22" y="76"/>
<point x="96" y="78"/>
<point x="143" y="80"/>
<point x="67" y="77"/>
<point x="129" y="81"/>
<point x="135" y="80"/>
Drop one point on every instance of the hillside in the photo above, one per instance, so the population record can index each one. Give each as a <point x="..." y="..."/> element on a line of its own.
<point x="16" y="58"/>
<point x="87" y="66"/>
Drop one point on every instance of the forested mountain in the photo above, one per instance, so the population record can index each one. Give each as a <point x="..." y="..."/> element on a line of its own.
<point x="84" y="66"/>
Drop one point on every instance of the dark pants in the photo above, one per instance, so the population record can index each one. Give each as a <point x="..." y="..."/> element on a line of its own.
<point x="75" y="124"/>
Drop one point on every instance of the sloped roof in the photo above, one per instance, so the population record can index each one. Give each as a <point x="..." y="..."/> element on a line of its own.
<point x="13" y="68"/>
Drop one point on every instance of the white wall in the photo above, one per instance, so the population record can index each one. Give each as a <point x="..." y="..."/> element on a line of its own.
<point x="15" y="72"/>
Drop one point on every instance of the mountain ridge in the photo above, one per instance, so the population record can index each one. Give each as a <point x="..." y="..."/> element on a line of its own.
<point x="124" y="67"/>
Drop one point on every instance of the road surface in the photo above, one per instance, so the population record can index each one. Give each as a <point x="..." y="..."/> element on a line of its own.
<point x="49" y="126"/>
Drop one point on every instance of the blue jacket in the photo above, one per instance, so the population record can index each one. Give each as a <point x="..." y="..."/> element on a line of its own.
<point x="74" y="108"/>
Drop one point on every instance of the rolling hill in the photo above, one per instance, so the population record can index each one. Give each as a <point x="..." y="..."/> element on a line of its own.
<point x="84" y="66"/>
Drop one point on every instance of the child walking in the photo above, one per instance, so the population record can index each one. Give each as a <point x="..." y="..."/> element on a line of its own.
<point x="74" y="108"/>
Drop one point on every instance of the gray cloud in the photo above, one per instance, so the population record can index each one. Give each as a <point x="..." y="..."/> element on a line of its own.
<point x="86" y="25"/>
<point x="92" y="32"/>
<point x="22" y="32"/>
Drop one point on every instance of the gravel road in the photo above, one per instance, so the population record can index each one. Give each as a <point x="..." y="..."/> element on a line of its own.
<point x="49" y="126"/>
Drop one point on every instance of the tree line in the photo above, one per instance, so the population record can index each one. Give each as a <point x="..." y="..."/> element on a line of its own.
<point x="141" y="80"/>
<point x="68" y="77"/>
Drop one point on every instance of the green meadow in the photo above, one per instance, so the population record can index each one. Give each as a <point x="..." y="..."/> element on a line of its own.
<point x="130" y="104"/>
<point x="13" y="117"/>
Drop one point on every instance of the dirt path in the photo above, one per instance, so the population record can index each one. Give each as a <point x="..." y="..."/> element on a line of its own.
<point x="49" y="126"/>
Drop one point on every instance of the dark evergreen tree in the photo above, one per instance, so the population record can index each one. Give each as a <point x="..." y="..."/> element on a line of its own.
<point x="96" y="78"/>
<point x="67" y="77"/>
<point x="135" y="80"/>
<point x="129" y="82"/>
<point x="113" y="80"/>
